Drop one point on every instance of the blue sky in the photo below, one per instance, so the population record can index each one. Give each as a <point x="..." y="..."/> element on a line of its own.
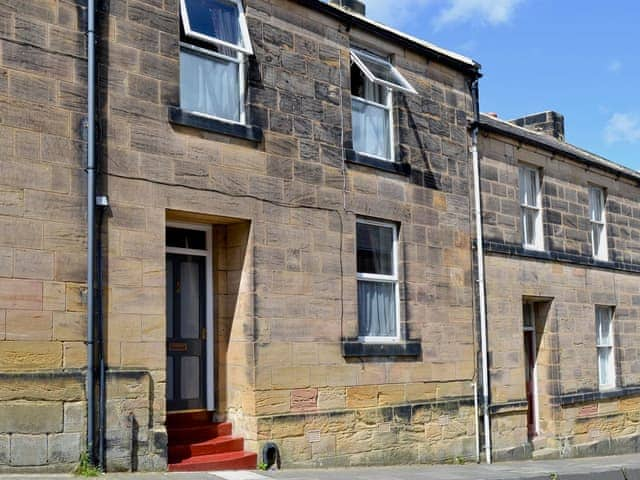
<point x="578" y="57"/>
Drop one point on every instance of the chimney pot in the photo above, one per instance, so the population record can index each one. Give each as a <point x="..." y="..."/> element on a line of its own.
<point x="356" y="6"/>
<point x="550" y="123"/>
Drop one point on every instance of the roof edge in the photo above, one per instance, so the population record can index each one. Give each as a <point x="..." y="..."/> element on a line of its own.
<point x="457" y="62"/>
<point x="546" y="142"/>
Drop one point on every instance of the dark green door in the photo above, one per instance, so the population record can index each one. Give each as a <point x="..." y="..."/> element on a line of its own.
<point x="186" y="322"/>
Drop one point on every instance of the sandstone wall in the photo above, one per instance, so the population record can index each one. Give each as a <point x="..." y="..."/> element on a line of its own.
<point x="42" y="234"/>
<point x="291" y="301"/>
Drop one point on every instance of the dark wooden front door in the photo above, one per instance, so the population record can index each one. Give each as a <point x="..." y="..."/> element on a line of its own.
<point x="530" y="361"/>
<point x="186" y="322"/>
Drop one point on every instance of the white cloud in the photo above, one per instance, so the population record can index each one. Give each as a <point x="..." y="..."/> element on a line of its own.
<point x="622" y="128"/>
<point x="614" y="66"/>
<point x="492" y="12"/>
<point x="443" y="12"/>
<point x="394" y="13"/>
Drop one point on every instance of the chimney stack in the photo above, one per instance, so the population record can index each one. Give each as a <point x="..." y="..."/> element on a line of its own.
<point x="356" y="6"/>
<point x="550" y="123"/>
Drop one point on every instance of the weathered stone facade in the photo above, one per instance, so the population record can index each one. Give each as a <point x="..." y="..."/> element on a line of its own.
<point x="42" y="235"/>
<point x="283" y="211"/>
<point x="282" y="196"/>
<point x="575" y="417"/>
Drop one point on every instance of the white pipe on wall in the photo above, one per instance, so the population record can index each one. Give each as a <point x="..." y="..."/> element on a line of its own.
<point x="481" y="276"/>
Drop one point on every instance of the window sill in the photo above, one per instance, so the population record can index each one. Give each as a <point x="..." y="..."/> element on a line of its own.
<point x="594" y="396"/>
<point x="410" y="348"/>
<point x="356" y="158"/>
<point x="178" y="116"/>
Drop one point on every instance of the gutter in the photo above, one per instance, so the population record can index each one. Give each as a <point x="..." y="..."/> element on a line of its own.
<point x="481" y="274"/>
<point x="470" y="67"/>
<point x="91" y="227"/>
<point x="520" y="134"/>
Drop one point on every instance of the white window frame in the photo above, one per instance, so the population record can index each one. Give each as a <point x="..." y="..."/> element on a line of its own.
<point x="404" y="86"/>
<point x="208" y="254"/>
<point x="388" y="106"/>
<point x="382" y="279"/>
<point x="240" y="59"/>
<point x="244" y="29"/>
<point x="538" y="238"/>
<point x="611" y="346"/>
<point x="603" y="254"/>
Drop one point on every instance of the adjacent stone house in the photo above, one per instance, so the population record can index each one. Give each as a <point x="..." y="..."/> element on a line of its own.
<point x="562" y="262"/>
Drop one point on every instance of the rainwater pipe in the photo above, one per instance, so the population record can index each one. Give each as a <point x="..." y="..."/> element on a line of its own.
<point x="91" y="227"/>
<point x="482" y="300"/>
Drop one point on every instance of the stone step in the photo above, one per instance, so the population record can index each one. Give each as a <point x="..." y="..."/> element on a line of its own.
<point x="224" y="444"/>
<point x="187" y="419"/>
<point x="198" y="433"/>
<point x="216" y="462"/>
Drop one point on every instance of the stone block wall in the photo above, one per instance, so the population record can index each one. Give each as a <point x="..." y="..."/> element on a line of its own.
<point x="289" y="202"/>
<point x="42" y="235"/>
<point x="575" y="418"/>
<point x="571" y="408"/>
<point x="565" y="193"/>
<point x="42" y="421"/>
<point x="295" y="202"/>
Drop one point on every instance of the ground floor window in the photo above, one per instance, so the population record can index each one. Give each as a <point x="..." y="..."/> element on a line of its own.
<point x="377" y="275"/>
<point x="604" y="346"/>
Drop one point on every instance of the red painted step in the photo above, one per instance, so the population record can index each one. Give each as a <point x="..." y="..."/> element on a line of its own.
<point x="188" y="419"/>
<point x="217" y="461"/>
<point x="197" y="444"/>
<point x="198" y="433"/>
<point x="224" y="444"/>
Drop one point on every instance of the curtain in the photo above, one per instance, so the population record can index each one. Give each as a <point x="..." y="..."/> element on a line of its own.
<point x="215" y="19"/>
<point x="189" y="300"/>
<point x="376" y="309"/>
<point x="375" y="249"/>
<point x="528" y="187"/>
<point x="225" y="23"/>
<point x="209" y="85"/>
<point x="596" y="204"/>
<point x="370" y="125"/>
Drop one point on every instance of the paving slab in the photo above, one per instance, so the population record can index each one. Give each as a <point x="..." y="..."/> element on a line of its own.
<point x="623" y="467"/>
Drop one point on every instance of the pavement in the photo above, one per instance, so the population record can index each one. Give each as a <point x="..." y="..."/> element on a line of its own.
<point x="623" y="467"/>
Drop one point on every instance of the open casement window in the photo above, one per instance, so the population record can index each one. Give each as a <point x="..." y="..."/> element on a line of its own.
<point x="598" y="223"/>
<point x="213" y="54"/>
<point x="531" y="208"/>
<point x="604" y="347"/>
<point x="373" y="79"/>
<point x="377" y="275"/>
<point x="219" y="22"/>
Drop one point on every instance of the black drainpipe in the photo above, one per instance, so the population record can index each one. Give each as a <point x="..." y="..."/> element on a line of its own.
<point x="100" y="340"/>
<point x="91" y="227"/>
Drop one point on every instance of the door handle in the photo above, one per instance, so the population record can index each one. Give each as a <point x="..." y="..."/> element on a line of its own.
<point x="203" y="334"/>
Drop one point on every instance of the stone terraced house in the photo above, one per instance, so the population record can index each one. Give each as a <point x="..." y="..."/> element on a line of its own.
<point x="273" y="201"/>
<point x="562" y="244"/>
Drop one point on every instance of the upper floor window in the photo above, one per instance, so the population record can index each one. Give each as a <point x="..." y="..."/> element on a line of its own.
<point x="213" y="52"/>
<point x="531" y="208"/>
<point x="604" y="347"/>
<point x="598" y="223"/>
<point x="378" y="294"/>
<point x="373" y="80"/>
